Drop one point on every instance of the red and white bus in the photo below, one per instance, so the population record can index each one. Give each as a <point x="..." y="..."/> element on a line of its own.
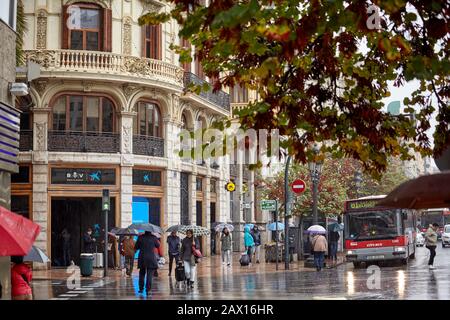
<point x="373" y="233"/>
<point x="430" y="216"/>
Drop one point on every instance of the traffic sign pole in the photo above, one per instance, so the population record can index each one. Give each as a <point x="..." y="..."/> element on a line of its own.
<point x="105" y="207"/>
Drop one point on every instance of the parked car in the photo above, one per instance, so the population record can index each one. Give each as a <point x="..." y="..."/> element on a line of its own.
<point x="420" y="239"/>
<point x="446" y="236"/>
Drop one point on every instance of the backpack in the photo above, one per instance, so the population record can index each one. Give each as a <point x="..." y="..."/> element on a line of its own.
<point x="244" y="260"/>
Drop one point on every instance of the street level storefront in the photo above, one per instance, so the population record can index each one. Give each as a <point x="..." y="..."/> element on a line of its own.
<point x="148" y="196"/>
<point x="75" y="198"/>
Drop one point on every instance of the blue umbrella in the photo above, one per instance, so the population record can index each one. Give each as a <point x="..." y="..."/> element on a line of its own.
<point x="249" y="225"/>
<point x="273" y="226"/>
<point x="335" y="227"/>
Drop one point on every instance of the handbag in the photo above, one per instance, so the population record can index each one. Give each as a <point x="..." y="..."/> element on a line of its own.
<point x="196" y="252"/>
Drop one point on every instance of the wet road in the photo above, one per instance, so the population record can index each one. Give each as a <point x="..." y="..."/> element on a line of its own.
<point x="215" y="281"/>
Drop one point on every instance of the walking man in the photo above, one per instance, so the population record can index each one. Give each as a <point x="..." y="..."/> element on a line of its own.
<point x="174" y="243"/>
<point x="431" y="243"/>
<point x="333" y="239"/>
<point x="147" y="262"/>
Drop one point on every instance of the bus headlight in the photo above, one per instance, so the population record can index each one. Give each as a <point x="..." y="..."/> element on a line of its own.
<point x="400" y="249"/>
<point x="349" y="252"/>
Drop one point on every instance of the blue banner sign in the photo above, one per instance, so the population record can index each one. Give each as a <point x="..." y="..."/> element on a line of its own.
<point x="9" y="138"/>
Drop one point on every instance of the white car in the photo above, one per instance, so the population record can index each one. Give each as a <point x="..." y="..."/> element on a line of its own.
<point x="446" y="236"/>
<point x="420" y="239"/>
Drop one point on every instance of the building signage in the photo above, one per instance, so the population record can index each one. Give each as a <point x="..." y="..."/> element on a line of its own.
<point x="9" y="138"/>
<point x="83" y="176"/>
<point x="230" y="186"/>
<point x="146" y="177"/>
<point x="270" y="205"/>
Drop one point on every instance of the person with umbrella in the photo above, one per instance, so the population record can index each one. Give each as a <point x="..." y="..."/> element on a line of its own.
<point x="188" y="245"/>
<point x="249" y="243"/>
<point x="319" y="246"/>
<point x="174" y="243"/>
<point x="256" y="234"/>
<point x="20" y="279"/>
<point x="147" y="262"/>
<point x="333" y="243"/>
<point x="225" y="240"/>
<point x="128" y="252"/>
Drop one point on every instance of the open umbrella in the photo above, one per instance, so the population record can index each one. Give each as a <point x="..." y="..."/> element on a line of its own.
<point x="36" y="255"/>
<point x="317" y="229"/>
<point x="273" y="226"/>
<point x="174" y="228"/>
<point x="249" y="225"/>
<point x="425" y="192"/>
<point x="221" y="226"/>
<point x="197" y="230"/>
<point x="335" y="227"/>
<point x="125" y="232"/>
<point x="17" y="234"/>
<point x="146" y="227"/>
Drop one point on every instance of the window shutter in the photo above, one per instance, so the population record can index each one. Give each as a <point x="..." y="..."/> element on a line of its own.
<point x="107" y="30"/>
<point x="143" y="38"/>
<point x="64" y="29"/>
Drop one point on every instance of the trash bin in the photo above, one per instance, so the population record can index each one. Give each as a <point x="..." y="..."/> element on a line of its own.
<point x="86" y="264"/>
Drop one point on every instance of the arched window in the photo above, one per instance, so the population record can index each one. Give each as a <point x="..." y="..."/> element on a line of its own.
<point x="147" y="121"/>
<point x="83" y="113"/>
<point x="24" y="104"/>
<point x="86" y="26"/>
<point x="183" y="122"/>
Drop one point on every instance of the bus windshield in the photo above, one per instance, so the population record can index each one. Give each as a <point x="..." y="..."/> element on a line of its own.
<point x="367" y="225"/>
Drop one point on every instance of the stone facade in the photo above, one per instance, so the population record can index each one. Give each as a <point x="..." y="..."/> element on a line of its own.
<point x="125" y="78"/>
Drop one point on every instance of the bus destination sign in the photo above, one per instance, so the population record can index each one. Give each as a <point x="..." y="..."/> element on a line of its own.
<point x="361" y="204"/>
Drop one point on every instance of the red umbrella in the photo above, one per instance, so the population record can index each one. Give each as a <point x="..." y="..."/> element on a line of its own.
<point x="425" y="192"/>
<point x="17" y="234"/>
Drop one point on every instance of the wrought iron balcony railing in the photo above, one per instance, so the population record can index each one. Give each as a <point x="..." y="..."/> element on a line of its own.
<point x="75" y="141"/>
<point x="220" y="98"/>
<point x="26" y="140"/>
<point x="148" y="146"/>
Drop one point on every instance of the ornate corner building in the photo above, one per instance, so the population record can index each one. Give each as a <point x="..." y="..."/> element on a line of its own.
<point x="105" y="113"/>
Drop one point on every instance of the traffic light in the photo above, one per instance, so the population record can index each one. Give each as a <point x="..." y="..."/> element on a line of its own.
<point x="105" y="200"/>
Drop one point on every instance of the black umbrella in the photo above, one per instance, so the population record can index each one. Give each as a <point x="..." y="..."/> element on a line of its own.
<point x="146" y="227"/>
<point x="174" y="228"/>
<point x="125" y="231"/>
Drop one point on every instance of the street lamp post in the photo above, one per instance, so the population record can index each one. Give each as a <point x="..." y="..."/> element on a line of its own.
<point x="357" y="179"/>
<point x="287" y="207"/>
<point x="315" y="169"/>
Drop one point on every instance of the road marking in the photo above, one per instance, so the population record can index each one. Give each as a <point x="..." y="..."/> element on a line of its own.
<point x="77" y="292"/>
<point x="68" y="295"/>
<point x="59" y="299"/>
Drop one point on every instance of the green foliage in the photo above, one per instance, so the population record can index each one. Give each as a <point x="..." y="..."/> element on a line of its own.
<point x="303" y="59"/>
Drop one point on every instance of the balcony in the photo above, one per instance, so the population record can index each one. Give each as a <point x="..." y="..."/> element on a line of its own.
<point x="105" y="63"/>
<point x="220" y="99"/>
<point x="73" y="141"/>
<point x="26" y="140"/>
<point x="148" y="146"/>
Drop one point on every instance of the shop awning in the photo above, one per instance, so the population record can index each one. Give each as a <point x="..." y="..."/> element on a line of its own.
<point x="17" y="234"/>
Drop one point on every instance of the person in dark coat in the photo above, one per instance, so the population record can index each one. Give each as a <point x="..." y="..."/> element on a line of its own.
<point x="174" y="243"/>
<point x="66" y="241"/>
<point x="89" y="241"/>
<point x="147" y="263"/>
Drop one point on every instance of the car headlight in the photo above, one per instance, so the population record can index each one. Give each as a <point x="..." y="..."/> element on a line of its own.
<point x="349" y="252"/>
<point x="400" y="249"/>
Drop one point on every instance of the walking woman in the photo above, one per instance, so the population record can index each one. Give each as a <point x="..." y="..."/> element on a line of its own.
<point x="249" y="243"/>
<point x="225" y="240"/>
<point x="147" y="262"/>
<point x="187" y="255"/>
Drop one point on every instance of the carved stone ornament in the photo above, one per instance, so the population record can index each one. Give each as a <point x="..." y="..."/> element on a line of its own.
<point x="87" y="86"/>
<point x="46" y="58"/>
<point x="128" y="90"/>
<point x="41" y="33"/>
<point x="41" y="128"/>
<point x="126" y="135"/>
<point x="127" y="34"/>
<point x="40" y="86"/>
<point x="152" y="6"/>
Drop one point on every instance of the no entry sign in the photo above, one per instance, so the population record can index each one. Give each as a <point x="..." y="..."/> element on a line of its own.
<point x="298" y="186"/>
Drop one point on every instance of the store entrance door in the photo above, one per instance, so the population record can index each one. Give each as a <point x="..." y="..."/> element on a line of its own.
<point x="76" y="215"/>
